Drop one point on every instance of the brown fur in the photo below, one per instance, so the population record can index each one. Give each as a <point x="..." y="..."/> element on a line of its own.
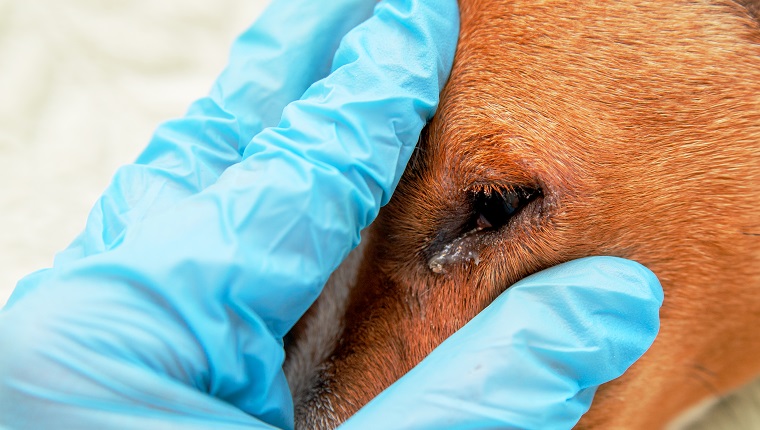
<point x="640" y="122"/>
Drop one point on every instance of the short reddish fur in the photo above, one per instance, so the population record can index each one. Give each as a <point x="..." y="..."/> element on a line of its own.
<point x="640" y="121"/>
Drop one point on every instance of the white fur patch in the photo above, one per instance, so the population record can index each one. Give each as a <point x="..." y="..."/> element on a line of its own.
<point x="320" y="330"/>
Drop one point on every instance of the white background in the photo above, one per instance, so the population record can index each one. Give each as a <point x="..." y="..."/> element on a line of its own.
<point x="83" y="83"/>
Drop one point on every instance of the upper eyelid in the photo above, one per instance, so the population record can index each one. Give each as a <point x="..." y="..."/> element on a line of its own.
<point x="502" y="184"/>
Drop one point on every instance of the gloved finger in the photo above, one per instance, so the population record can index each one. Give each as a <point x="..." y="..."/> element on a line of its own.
<point x="201" y="293"/>
<point x="271" y="64"/>
<point x="82" y="359"/>
<point x="534" y="358"/>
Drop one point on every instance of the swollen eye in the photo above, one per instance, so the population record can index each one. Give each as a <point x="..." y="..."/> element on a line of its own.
<point x="494" y="208"/>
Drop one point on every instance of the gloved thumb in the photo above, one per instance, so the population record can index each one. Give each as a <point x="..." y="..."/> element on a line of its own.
<point x="534" y="358"/>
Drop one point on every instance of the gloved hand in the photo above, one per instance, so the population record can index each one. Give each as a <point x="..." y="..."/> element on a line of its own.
<point x="169" y="310"/>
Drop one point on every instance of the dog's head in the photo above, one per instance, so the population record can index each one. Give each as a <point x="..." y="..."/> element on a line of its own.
<point x="566" y="130"/>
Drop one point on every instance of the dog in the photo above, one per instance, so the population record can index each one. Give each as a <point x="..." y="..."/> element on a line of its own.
<point x="567" y="129"/>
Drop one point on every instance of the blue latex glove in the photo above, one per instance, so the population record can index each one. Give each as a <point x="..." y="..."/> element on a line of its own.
<point x="169" y="310"/>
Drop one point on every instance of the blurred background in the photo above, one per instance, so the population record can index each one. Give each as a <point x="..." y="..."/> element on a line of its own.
<point x="83" y="83"/>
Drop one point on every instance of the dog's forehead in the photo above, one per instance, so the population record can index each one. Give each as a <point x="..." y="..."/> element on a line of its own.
<point x="506" y="127"/>
<point x="575" y="78"/>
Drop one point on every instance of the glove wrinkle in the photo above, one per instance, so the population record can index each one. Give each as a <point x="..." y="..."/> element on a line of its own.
<point x="217" y="257"/>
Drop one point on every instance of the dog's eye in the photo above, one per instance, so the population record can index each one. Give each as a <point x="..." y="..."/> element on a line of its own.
<point x="492" y="209"/>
